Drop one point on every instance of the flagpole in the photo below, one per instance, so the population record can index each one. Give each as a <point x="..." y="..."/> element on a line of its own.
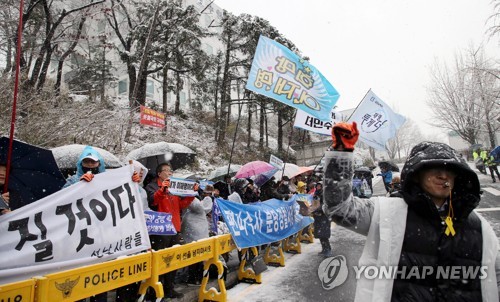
<point x="346" y="121"/>
<point x="16" y="90"/>
<point x="359" y="104"/>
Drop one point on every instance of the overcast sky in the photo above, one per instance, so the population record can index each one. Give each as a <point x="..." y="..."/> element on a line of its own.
<point x="386" y="45"/>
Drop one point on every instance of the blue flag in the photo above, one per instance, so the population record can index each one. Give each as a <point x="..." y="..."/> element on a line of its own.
<point x="280" y="74"/>
<point x="262" y="222"/>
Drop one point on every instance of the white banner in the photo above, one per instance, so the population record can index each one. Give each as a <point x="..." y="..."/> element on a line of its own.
<point x="308" y="122"/>
<point x="276" y="162"/>
<point x="377" y="123"/>
<point x="182" y="187"/>
<point x="83" y="224"/>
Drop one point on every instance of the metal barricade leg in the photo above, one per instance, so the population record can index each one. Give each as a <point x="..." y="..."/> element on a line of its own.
<point x="212" y="294"/>
<point x="275" y="259"/>
<point x="248" y="274"/>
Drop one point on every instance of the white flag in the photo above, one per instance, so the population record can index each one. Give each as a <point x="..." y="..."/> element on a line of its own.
<point x="377" y="123"/>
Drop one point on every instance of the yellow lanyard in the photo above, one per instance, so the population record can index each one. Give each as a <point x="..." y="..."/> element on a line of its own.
<point x="449" y="220"/>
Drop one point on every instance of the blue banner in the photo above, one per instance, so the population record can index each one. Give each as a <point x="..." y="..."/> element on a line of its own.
<point x="159" y="223"/>
<point x="262" y="222"/>
<point x="279" y="73"/>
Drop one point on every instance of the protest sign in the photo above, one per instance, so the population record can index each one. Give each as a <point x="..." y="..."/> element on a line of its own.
<point x="182" y="187"/>
<point x="263" y="222"/>
<point x="159" y="223"/>
<point x="151" y="117"/>
<point x="276" y="162"/>
<point x="308" y="122"/>
<point x="83" y="224"/>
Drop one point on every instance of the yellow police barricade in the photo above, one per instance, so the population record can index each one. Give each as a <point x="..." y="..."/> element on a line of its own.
<point x="307" y="237"/>
<point x="292" y="244"/>
<point x="223" y="244"/>
<point x="94" y="279"/>
<point x="247" y="274"/>
<point x="272" y="258"/>
<point x="173" y="258"/>
<point x="18" y="291"/>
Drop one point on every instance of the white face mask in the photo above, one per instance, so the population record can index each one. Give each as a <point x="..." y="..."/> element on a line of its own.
<point x="285" y="183"/>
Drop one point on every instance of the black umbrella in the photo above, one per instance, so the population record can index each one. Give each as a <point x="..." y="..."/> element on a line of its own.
<point x="33" y="172"/>
<point x="363" y="171"/>
<point x="151" y="155"/>
<point x="390" y="165"/>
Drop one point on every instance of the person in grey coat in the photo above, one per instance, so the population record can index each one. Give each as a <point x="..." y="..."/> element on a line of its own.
<point x="195" y="227"/>
<point x="430" y="227"/>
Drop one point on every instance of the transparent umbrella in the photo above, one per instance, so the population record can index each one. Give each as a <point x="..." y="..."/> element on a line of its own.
<point x="151" y="155"/>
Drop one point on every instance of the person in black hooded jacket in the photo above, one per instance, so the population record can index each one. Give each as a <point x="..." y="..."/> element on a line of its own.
<point x="429" y="228"/>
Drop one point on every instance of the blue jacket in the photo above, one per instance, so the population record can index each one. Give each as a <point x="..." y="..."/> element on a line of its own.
<point x="387" y="176"/>
<point x="79" y="169"/>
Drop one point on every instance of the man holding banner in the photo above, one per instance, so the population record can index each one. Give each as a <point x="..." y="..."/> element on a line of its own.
<point x="161" y="199"/>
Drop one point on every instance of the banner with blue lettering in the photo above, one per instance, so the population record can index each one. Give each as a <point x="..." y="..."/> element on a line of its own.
<point x="159" y="223"/>
<point x="262" y="222"/>
<point x="377" y="122"/>
<point x="279" y="73"/>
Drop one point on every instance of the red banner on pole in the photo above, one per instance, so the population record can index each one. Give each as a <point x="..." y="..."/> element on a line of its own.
<point x="151" y="117"/>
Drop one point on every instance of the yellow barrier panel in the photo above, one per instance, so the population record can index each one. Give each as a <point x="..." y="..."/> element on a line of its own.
<point x="18" y="291"/>
<point x="176" y="257"/>
<point x="274" y="259"/>
<point x="307" y="237"/>
<point x="94" y="279"/>
<point x="292" y="244"/>
<point x="223" y="244"/>
<point x="248" y="274"/>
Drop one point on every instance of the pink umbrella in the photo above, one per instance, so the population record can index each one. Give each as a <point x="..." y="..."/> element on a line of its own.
<point x="253" y="168"/>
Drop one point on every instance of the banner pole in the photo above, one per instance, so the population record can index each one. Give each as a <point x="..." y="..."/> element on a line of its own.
<point x="14" y="101"/>
<point x="358" y="104"/>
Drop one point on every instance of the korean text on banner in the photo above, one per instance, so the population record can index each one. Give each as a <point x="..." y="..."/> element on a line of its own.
<point x="263" y="222"/>
<point x="151" y="117"/>
<point x="83" y="224"/>
<point x="159" y="223"/>
<point x="182" y="187"/>
<point x="310" y="123"/>
<point x="280" y="74"/>
<point x="377" y="123"/>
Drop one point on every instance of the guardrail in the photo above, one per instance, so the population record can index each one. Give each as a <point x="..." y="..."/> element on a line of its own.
<point x="83" y="282"/>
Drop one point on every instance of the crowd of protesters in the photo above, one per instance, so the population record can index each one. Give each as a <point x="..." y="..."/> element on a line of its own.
<point x="192" y="215"/>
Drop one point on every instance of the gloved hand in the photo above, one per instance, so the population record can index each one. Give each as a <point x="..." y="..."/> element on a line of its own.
<point x="165" y="185"/>
<point x="136" y="178"/>
<point x="196" y="187"/>
<point x="87" y="177"/>
<point x="344" y="136"/>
